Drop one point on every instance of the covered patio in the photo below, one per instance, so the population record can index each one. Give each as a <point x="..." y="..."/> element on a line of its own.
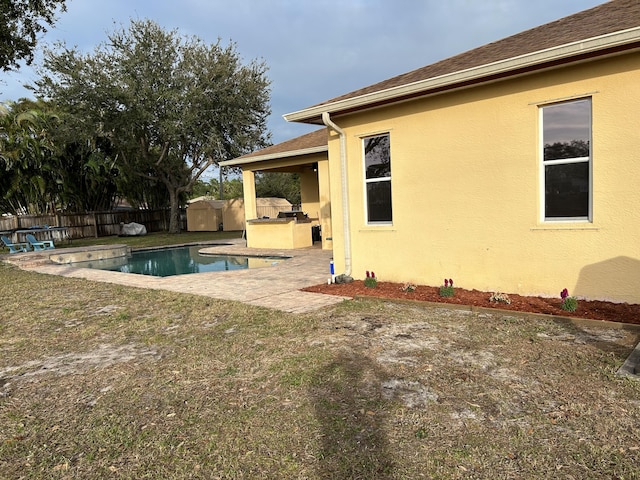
<point x="307" y="156"/>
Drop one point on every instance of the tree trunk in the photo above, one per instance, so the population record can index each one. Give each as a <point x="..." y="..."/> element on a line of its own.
<point x="174" y="211"/>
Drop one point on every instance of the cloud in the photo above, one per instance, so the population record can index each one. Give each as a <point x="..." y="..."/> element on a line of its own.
<point x="315" y="50"/>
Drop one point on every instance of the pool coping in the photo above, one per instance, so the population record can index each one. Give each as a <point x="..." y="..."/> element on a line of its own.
<point x="114" y="258"/>
<point x="278" y="287"/>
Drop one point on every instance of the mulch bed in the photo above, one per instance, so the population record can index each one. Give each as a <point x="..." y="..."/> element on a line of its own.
<point x="587" y="309"/>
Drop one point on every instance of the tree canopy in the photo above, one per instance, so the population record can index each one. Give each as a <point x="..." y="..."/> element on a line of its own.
<point x="25" y="147"/>
<point x="231" y="188"/>
<point x="171" y="106"/>
<point x="20" y="23"/>
<point x="280" y="185"/>
<point x="268" y="184"/>
<point x="47" y="165"/>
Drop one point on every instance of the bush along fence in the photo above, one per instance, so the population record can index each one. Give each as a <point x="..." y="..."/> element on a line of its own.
<point x="94" y="224"/>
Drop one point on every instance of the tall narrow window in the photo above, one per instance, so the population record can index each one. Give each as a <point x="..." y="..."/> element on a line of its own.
<point x="566" y="133"/>
<point x="377" y="165"/>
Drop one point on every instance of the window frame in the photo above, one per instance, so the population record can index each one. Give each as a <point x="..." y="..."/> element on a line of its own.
<point x="588" y="218"/>
<point x="369" y="181"/>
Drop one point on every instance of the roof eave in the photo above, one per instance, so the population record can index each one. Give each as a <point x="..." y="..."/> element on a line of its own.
<point x="236" y="162"/>
<point x="615" y="40"/>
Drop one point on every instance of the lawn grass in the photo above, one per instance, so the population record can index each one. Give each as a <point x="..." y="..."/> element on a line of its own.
<point x="156" y="239"/>
<point x="104" y="381"/>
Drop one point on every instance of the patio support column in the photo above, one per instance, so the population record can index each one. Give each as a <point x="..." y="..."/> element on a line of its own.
<point x="324" y="189"/>
<point x="249" y="189"/>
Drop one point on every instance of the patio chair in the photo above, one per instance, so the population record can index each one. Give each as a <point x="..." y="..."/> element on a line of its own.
<point x="38" y="246"/>
<point x="15" y="247"/>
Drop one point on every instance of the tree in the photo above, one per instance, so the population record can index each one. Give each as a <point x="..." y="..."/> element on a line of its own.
<point x="232" y="188"/>
<point x="86" y="174"/>
<point x="172" y="106"/>
<point x="27" y="182"/>
<point x="20" y="23"/>
<point x="202" y="189"/>
<point x="47" y="164"/>
<point x="280" y="185"/>
<point x="572" y="149"/>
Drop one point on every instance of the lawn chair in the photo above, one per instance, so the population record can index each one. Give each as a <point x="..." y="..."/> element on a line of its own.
<point x="15" y="247"/>
<point x="38" y="246"/>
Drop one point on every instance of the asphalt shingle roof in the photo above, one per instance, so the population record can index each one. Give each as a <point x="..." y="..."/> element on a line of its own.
<point x="613" y="16"/>
<point x="315" y="139"/>
<point x="610" y="17"/>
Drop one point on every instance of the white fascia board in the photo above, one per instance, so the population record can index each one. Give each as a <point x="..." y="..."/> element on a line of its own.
<point x="274" y="156"/>
<point x="611" y="40"/>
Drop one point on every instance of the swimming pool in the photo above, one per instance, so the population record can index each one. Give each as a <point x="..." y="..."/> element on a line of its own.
<point x="167" y="262"/>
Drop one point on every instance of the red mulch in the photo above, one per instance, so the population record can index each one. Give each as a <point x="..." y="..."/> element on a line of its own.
<point x="592" y="309"/>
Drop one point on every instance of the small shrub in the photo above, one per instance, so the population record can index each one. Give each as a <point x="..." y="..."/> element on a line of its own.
<point x="409" y="287"/>
<point x="371" y="281"/>
<point x="569" y="304"/>
<point x="500" y="298"/>
<point x="447" y="289"/>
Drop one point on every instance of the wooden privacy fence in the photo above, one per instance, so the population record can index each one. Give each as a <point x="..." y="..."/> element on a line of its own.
<point x="94" y="224"/>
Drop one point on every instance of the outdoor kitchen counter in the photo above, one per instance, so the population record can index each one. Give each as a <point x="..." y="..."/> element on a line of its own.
<point x="285" y="233"/>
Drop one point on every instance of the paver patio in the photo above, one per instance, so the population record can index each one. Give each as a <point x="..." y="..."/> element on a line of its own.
<point x="276" y="287"/>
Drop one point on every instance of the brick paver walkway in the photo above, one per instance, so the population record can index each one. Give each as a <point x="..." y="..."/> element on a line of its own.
<point x="275" y="287"/>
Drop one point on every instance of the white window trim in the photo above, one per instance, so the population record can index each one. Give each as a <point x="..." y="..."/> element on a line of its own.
<point x="564" y="161"/>
<point x="366" y="209"/>
<point x="365" y="202"/>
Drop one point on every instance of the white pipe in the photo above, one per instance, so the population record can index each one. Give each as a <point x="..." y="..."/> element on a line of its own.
<point x="345" y="191"/>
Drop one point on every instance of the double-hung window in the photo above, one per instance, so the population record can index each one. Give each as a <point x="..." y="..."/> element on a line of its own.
<point x="377" y="166"/>
<point x="566" y="161"/>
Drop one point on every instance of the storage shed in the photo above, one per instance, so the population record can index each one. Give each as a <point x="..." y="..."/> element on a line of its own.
<point x="233" y="216"/>
<point x="204" y="215"/>
<point x="272" y="206"/>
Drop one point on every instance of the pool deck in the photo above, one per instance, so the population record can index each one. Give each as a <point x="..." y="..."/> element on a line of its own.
<point x="276" y="287"/>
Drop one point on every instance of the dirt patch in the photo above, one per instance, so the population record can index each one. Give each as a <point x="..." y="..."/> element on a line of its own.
<point x="595" y="310"/>
<point x="76" y="363"/>
<point x="105" y="381"/>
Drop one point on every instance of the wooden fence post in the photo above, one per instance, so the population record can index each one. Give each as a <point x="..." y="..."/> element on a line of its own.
<point x="95" y="224"/>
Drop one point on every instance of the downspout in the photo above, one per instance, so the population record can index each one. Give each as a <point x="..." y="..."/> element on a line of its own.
<point x="345" y="191"/>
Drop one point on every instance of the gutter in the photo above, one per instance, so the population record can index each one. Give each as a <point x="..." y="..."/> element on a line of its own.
<point x="346" y="224"/>
<point x="616" y="40"/>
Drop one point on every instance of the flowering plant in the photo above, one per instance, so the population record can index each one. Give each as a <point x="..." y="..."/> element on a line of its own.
<point x="371" y="281"/>
<point x="447" y="289"/>
<point x="569" y="304"/>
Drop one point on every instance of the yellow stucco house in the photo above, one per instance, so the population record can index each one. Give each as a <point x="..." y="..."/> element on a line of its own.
<point x="513" y="167"/>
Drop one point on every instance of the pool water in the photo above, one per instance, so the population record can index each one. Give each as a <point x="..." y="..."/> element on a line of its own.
<point x="178" y="261"/>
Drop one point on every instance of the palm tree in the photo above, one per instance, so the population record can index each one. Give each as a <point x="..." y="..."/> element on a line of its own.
<point x="25" y="148"/>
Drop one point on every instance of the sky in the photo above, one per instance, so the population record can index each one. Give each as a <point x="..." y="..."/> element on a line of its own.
<point x="315" y="49"/>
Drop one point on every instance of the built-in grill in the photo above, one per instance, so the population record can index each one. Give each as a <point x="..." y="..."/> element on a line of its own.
<point x="300" y="216"/>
